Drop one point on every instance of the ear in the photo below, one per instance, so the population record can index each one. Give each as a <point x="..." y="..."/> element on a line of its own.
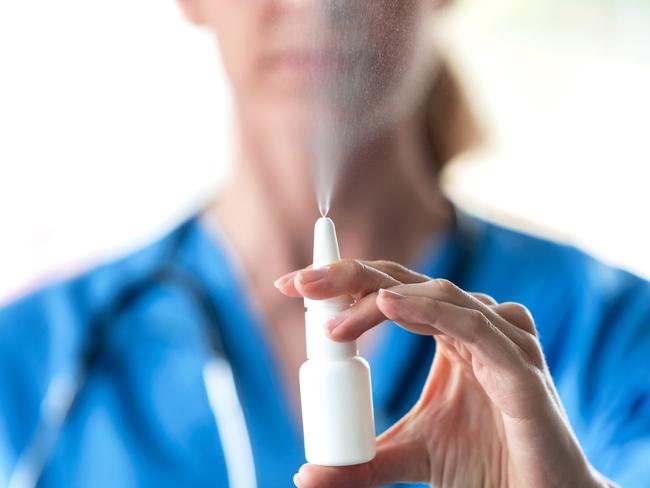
<point x="193" y="11"/>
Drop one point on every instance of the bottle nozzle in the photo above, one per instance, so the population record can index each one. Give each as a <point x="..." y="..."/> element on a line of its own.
<point x="326" y="251"/>
<point x="326" y="246"/>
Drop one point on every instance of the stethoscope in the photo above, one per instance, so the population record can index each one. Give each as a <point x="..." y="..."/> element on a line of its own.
<point x="65" y="390"/>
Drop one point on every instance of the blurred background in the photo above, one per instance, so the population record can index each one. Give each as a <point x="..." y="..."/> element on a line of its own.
<point x="100" y="100"/>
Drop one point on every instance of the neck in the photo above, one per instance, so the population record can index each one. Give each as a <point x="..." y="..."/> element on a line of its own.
<point x="386" y="205"/>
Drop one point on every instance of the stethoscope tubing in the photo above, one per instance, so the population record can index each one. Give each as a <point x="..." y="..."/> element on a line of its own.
<point x="65" y="390"/>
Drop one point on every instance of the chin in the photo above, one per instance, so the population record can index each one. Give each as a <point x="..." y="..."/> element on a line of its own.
<point x="287" y="111"/>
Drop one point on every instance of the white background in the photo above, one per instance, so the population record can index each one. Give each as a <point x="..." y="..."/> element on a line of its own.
<point x="115" y="123"/>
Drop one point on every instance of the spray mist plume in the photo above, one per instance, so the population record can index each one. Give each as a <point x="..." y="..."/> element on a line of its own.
<point x="370" y="49"/>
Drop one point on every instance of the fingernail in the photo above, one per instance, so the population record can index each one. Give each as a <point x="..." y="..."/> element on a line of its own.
<point x="390" y="294"/>
<point x="281" y="281"/>
<point x="296" y="480"/>
<point x="311" y="275"/>
<point x="335" y="320"/>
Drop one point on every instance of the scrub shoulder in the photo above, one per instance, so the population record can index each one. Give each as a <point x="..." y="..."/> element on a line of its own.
<point x="42" y="332"/>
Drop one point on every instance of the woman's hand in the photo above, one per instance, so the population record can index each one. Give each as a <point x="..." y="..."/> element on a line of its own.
<point x="489" y="414"/>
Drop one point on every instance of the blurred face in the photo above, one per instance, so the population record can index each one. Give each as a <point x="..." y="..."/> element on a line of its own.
<point x="291" y="57"/>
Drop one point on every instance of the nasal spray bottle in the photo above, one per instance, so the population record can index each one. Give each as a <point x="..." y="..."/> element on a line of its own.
<point x="335" y="388"/>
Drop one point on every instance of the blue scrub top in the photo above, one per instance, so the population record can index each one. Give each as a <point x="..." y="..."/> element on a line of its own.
<point x="144" y="417"/>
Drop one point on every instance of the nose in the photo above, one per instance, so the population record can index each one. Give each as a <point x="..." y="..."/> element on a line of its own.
<point x="344" y="17"/>
<point x="297" y="4"/>
<point x="295" y="8"/>
<point x="345" y="11"/>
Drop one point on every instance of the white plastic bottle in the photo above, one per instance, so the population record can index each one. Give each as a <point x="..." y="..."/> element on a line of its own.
<point x="335" y="387"/>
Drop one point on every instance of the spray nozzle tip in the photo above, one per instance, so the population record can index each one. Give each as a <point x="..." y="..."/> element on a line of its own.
<point x="324" y="210"/>
<point x="326" y="247"/>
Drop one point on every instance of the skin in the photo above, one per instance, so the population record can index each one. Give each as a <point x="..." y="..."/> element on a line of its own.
<point x="489" y="414"/>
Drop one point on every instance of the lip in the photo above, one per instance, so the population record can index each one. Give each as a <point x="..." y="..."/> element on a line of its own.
<point x="305" y="63"/>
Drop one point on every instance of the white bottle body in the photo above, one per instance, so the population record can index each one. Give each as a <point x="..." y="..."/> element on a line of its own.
<point x="336" y="398"/>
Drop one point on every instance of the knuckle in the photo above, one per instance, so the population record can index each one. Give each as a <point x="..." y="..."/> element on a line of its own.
<point x="388" y="265"/>
<point x="485" y="298"/>
<point x="354" y="267"/>
<point x="391" y="269"/>
<point x="444" y="286"/>
<point x="536" y="378"/>
<point x="478" y="317"/>
<point x="363" y="279"/>
<point x="530" y="379"/>
<point x="520" y="316"/>
<point x="395" y="270"/>
<point x="533" y="350"/>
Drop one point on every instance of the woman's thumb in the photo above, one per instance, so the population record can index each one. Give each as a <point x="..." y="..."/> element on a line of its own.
<point x="398" y="459"/>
